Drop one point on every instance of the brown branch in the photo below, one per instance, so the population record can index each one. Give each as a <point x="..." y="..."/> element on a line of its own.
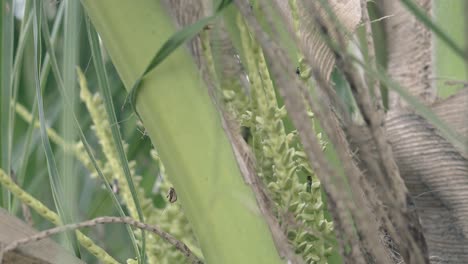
<point x="351" y="169"/>
<point x="383" y="168"/>
<point x="358" y="182"/>
<point x="192" y="258"/>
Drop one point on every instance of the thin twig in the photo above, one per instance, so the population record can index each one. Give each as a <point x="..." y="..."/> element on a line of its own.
<point x="192" y="258"/>
<point x="381" y="18"/>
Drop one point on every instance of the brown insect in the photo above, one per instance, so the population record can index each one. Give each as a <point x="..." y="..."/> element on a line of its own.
<point x="171" y="195"/>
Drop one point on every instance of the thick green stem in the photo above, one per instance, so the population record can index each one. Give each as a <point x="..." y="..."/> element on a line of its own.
<point x="184" y="125"/>
<point x="450" y="69"/>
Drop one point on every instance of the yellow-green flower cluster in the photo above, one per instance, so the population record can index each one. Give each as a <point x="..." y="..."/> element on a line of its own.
<point x="280" y="163"/>
<point x="172" y="220"/>
<point x="103" y="131"/>
<point x="169" y="219"/>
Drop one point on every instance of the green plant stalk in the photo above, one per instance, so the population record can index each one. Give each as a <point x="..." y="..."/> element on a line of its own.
<point x="184" y="125"/>
<point x="448" y="65"/>
<point x="56" y="182"/>
<point x="67" y="165"/>
<point x="24" y="36"/>
<point x="111" y="117"/>
<point x="45" y="69"/>
<point x="6" y="92"/>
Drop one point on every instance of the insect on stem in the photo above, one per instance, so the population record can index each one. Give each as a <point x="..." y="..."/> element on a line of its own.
<point x="171" y="195"/>
<point x="309" y="184"/>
